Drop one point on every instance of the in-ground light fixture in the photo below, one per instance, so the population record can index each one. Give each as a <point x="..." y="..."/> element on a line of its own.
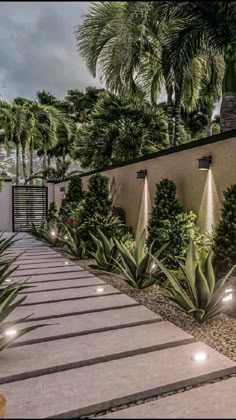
<point x="10" y="333"/>
<point x="204" y="163"/>
<point x="100" y="289"/>
<point x="142" y="174"/>
<point x="200" y="356"/>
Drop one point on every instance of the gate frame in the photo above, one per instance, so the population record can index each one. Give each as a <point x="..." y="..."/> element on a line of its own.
<point x="13" y="196"/>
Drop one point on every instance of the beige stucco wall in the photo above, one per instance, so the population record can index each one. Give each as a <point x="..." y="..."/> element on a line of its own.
<point x="6" y="207"/>
<point x="199" y="191"/>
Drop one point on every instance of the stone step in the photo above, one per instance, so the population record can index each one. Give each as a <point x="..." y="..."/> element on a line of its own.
<point x="47" y="271"/>
<point x="60" y="285"/>
<point x="38" y="278"/>
<point x="68" y="294"/>
<point x="72" y="307"/>
<point x="43" y="358"/>
<point x="75" y="325"/>
<point x="213" y="401"/>
<point x="89" y="389"/>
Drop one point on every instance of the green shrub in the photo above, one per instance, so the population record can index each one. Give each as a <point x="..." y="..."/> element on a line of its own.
<point x="202" y="295"/>
<point x="106" y="254"/>
<point x="73" y="197"/>
<point x="224" y="241"/>
<point x="168" y="223"/>
<point x="53" y="213"/>
<point x="137" y="265"/>
<point x="72" y="241"/>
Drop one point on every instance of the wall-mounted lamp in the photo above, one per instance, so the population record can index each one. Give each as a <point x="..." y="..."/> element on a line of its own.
<point x="62" y="189"/>
<point x="204" y="163"/>
<point x="142" y="174"/>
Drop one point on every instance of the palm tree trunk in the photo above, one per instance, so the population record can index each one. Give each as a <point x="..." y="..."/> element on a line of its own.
<point x="49" y="161"/>
<point x="44" y="167"/>
<point x="170" y="118"/>
<point x="31" y="161"/>
<point x="17" y="164"/>
<point x="24" y="164"/>
<point x="228" y="112"/>
<point x="177" y="136"/>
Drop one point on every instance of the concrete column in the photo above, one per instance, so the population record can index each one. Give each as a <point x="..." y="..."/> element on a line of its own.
<point x="6" y="206"/>
<point x="51" y="187"/>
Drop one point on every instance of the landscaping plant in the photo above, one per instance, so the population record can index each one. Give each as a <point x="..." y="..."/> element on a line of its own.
<point x="53" y="213"/>
<point x="137" y="265"/>
<point x="72" y="241"/>
<point x="73" y="197"/>
<point x="201" y="297"/>
<point x="168" y="223"/>
<point x="224" y="241"/>
<point x="107" y="253"/>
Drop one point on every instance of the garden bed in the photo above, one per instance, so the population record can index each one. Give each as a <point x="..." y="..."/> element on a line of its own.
<point x="219" y="333"/>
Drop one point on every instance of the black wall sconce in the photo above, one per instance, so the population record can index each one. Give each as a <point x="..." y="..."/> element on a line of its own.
<point x="62" y="189"/>
<point x="142" y="174"/>
<point x="204" y="163"/>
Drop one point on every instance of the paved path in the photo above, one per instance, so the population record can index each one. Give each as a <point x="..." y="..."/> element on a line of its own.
<point x="101" y="350"/>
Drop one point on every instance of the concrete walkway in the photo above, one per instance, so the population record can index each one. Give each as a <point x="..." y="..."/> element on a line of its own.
<point x="101" y="350"/>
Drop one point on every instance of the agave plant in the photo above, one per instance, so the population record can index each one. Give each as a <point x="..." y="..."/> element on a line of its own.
<point x="72" y="242"/>
<point x="202" y="295"/>
<point x="137" y="265"/>
<point x="5" y="243"/>
<point x="107" y="253"/>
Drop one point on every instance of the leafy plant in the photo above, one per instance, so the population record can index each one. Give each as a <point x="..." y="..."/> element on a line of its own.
<point x="72" y="241"/>
<point x="6" y="243"/>
<point x="106" y="254"/>
<point x="168" y="223"/>
<point x="137" y="265"/>
<point x="202" y="295"/>
<point x="224" y="241"/>
<point x="53" y="213"/>
<point x="73" y="197"/>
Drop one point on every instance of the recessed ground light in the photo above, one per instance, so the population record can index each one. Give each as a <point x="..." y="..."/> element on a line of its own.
<point x="100" y="289"/>
<point x="66" y="237"/>
<point x="10" y="332"/>
<point x="53" y="233"/>
<point x="228" y="298"/>
<point x="8" y="280"/>
<point x="66" y="263"/>
<point x="200" y="356"/>
<point x="228" y="290"/>
<point x="154" y="266"/>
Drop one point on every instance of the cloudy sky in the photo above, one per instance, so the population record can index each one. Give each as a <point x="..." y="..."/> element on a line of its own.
<point x="37" y="49"/>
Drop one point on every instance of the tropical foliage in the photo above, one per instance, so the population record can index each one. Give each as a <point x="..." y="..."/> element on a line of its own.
<point x="106" y="254"/>
<point x="198" y="294"/>
<point x="138" y="265"/>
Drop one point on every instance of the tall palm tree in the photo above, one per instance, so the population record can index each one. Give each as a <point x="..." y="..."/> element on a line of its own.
<point x="207" y="25"/>
<point x="129" y="42"/>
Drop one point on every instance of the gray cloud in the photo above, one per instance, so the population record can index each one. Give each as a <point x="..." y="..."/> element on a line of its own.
<point x="37" y="49"/>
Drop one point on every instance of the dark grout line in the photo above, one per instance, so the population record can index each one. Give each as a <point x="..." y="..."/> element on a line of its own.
<point x="93" y="361"/>
<point x="51" y="281"/>
<point x="48" y="274"/>
<point x="69" y="299"/>
<point x="84" y="332"/>
<point x="41" y="318"/>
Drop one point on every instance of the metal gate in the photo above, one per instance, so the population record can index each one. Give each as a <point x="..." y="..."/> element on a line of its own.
<point x="29" y="204"/>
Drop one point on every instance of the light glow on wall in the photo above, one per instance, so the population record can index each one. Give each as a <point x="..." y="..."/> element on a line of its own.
<point x="144" y="210"/>
<point x="210" y="204"/>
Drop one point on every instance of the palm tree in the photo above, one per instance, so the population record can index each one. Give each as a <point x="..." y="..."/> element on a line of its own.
<point x="207" y="25"/>
<point x="129" y="43"/>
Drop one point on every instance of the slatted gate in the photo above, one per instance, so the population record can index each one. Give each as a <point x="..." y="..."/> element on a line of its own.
<point x="29" y="204"/>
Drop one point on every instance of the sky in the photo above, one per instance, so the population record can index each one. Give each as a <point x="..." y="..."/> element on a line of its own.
<point x="38" y="50"/>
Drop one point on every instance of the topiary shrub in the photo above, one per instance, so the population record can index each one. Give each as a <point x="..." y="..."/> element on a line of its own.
<point x="53" y="213"/>
<point x="224" y="240"/>
<point x="168" y="223"/>
<point x="72" y="198"/>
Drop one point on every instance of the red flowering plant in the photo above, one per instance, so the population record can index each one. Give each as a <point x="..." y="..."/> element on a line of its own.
<point x="70" y="221"/>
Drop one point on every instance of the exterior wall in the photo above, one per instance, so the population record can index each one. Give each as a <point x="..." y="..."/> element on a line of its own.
<point x="199" y="191"/>
<point x="58" y="194"/>
<point x="6" y="207"/>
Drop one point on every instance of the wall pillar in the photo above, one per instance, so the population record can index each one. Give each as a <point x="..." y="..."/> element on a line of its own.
<point x="6" y="206"/>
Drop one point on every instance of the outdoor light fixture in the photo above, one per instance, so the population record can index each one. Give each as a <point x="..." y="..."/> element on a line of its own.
<point x="228" y="298"/>
<point x="142" y="174"/>
<point x="200" y="357"/>
<point x="10" y="333"/>
<point x="100" y="289"/>
<point x="204" y="163"/>
<point x="8" y="280"/>
<point x="66" y="237"/>
<point x="53" y="233"/>
<point x="66" y="263"/>
<point x="228" y="290"/>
